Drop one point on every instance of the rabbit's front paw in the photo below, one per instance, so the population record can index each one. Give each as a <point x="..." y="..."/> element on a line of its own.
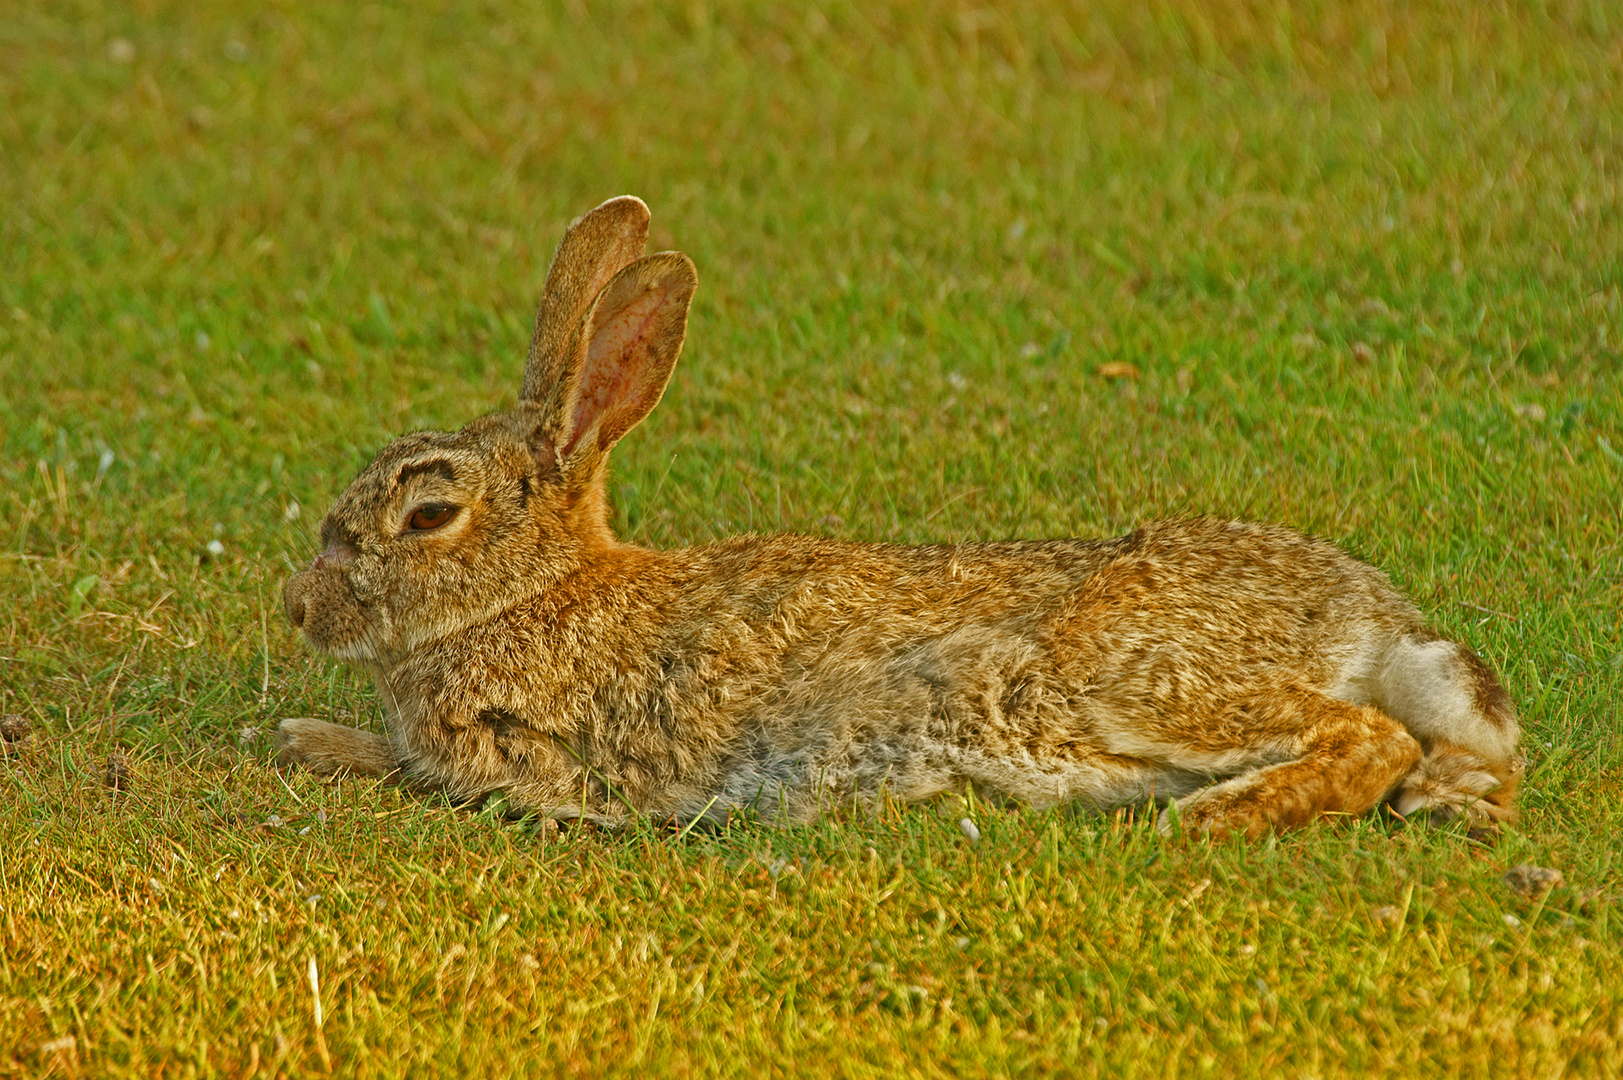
<point x="332" y="748"/>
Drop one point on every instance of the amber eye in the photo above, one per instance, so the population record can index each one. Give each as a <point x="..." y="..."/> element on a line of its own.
<point x="431" y="516"/>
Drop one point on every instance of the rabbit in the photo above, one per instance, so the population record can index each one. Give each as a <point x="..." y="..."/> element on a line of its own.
<point x="1242" y="678"/>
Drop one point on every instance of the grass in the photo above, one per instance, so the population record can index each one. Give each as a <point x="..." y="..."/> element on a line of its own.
<point x="965" y="272"/>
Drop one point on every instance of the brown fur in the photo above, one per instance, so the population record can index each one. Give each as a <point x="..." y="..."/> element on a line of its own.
<point x="1256" y="677"/>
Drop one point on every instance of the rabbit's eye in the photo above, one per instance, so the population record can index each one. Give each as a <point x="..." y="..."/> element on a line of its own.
<point x="431" y="516"/>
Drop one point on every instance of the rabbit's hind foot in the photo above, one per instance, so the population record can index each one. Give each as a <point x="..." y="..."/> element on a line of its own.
<point x="327" y="749"/>
<point x="1452" y="782"/>
<point x="1345" y="759"/>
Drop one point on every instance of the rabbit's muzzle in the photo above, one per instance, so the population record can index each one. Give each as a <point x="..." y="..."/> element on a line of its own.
<point x="321" y="602"/>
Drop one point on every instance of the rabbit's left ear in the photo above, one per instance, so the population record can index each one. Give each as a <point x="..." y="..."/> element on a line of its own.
<point x="628" y="343"/>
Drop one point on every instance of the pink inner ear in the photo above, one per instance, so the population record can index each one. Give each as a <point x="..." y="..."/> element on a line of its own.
<point x="614" y="385"/>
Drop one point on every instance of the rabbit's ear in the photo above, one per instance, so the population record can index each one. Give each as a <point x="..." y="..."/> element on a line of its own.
<point x="597" y="246"/>
<point x="627" y="345"/>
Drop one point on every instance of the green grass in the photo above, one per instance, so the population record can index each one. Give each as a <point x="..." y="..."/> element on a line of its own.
<point x="965" y="272"/>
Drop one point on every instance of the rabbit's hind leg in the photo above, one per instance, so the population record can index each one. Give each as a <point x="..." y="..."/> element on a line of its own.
<point x="1345" y="759"/>
<point x="332" y="748"/>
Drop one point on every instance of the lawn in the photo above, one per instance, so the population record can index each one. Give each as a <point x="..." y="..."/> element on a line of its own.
<point x="1037" y="269"/>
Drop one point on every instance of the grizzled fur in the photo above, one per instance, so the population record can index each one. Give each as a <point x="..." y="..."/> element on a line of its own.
<point x="1255" y="676"/>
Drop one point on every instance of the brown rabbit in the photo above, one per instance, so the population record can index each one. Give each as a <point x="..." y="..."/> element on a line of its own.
<point x="1253" y="676"/>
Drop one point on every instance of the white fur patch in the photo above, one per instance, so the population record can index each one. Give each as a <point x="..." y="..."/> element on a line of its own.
<point x="1430" y="689"/>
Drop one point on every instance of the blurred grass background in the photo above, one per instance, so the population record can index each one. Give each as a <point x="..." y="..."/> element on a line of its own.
<point x="966" y="271"/>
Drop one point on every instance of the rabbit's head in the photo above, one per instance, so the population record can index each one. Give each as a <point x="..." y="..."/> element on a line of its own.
<point x="443" y="530"/>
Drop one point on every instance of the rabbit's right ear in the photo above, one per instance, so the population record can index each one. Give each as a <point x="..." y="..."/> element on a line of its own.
<point x="600" y="244"/>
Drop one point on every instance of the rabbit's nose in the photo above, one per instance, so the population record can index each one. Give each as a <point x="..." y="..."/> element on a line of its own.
<point x="337" y="556"/>
<point x="293" y="598"/>
<point x="295" y="611"/>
